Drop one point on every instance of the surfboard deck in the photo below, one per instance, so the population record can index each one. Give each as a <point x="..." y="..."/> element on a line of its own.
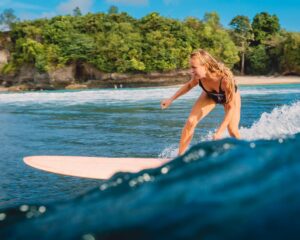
<point x="92" y="167"/>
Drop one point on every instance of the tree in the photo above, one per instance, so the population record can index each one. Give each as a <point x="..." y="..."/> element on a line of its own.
<point x="7" y="19"/>
<point x="290" y="60"/>
<point x="243" y="36"/>
<point x="117" y="42"/>
<point x="212" y="19"/>
<point x="264" y="26"/>
<point x="113" y="10"/>
<point x="77" y="12"/>
<point x="259" y="60"/>
<point x="216" y="40"/>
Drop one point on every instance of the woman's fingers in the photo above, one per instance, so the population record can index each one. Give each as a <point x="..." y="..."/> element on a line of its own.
<point x="165" y="103"/>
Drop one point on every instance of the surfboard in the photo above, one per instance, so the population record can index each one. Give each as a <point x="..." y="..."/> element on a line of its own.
<point x="92" y="167"/>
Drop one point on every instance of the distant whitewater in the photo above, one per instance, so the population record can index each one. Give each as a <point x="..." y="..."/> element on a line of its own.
<point x="120" y="95"/>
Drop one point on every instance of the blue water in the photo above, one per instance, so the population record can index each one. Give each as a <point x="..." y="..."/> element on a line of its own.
<point x="224" y="189"/>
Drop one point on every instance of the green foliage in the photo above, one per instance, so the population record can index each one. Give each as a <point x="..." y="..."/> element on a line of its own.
<point x="265" y="26"/>
<point x="242" y="36"/>
<point x="167" y="43"/>
<point x="290" y="60"/>
<point x="119" y="50"/>
<point x="212" y="19"/>
<point x="8" y="68"/>
<point x="217" y="40"/>
<point x="259" y="61"/>
<point x="30" y="51"/>
<point x="117" y="42"/>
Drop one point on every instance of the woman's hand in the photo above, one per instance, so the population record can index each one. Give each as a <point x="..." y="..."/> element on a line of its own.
<point x="166" y="103"/>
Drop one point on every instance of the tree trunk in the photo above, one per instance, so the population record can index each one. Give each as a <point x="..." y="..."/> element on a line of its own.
<point x="243" y="64"/>
<point x="243" y="59"/>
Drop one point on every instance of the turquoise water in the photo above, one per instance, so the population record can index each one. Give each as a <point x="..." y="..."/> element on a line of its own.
<point x="129" y="122"/>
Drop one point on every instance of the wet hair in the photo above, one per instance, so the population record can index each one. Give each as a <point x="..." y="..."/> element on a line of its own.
<point x="214" y="66"/>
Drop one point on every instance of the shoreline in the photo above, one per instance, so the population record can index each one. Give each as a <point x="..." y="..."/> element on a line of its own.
<point x="264" y="80"/>
<point x="240" y="80"/>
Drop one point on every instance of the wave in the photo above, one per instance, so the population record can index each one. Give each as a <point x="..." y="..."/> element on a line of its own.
<point x="228" y="189"/>
<point x="281" y="122"/>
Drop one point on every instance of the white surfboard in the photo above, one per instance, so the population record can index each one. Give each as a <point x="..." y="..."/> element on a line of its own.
<point x="92" y="167"/>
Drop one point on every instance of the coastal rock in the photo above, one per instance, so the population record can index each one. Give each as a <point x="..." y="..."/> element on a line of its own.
<point x="76" y="86"/>
<point x="26" y="74"/>
<point x="62" y="77"/>
<point x="83" y="75"/>
<point x="19" y="88"/>
<point x="41" y="78"/>
<point x="85" y="72"/>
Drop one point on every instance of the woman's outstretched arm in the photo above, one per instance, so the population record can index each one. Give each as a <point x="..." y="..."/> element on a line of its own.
<point x="183" y="90"/>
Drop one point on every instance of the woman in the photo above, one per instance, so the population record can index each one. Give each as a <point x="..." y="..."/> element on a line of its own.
<point x="219" y="87"/>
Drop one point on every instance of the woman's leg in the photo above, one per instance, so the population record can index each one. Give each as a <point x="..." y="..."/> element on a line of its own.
<point x="233" y="126"/>
<point x="201" y="108"/>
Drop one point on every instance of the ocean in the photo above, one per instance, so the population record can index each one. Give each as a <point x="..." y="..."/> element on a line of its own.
<point x="226" y="189"/>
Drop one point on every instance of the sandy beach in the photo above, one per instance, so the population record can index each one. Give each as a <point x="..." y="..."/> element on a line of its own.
<point x="263" y="80"/>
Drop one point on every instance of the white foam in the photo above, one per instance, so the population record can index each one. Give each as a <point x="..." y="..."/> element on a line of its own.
<point x="169" y="152"/>
<point x="118" y="95"/>
<point x="89" y="96"/>
<point x="263" y="91"/>
<point x="281" y="122"/>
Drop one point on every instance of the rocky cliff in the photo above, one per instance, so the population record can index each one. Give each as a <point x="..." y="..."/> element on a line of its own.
<point x="76" y="76"/>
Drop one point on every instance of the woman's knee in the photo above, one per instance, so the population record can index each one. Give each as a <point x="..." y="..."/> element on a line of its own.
<point x="191" y="123"/>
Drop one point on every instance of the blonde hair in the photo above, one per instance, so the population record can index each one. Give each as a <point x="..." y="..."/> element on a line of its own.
<point x="217" y="67"/>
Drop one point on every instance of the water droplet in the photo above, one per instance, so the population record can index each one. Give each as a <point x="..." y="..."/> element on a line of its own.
<point x="103" y="187"/>
<point x="226" y="146"/>
<point x="2" y="216"/>
<point x="146" y="177"/>
<point x="119" y="180"/>
<point x="132" y="183"/>
<point x="88" y="237"/>
<point x="164" y="170"/>
<point x="201" y="153"/>
<point x="24" y="208"/>
<point x="140" y="179"/>
<point x="252" y="145"/>
<point x="42" y="209"/>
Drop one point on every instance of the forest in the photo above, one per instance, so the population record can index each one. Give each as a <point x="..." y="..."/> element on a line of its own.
<point x="115" y="42"/>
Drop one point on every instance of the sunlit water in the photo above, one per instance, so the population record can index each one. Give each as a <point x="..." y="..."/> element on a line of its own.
<point x="220" y="181"/>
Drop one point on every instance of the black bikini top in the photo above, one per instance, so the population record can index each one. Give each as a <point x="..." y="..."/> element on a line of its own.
<point x="218" y="97"/>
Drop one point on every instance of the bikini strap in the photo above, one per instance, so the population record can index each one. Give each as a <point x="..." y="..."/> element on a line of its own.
<point x="220" y="89"/>
<point x="200" y="83"/>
